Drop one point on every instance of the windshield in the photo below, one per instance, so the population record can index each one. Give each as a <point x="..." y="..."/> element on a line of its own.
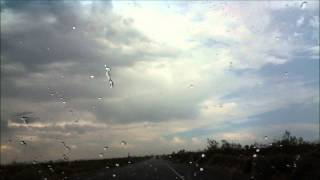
<point x="159" y="89"/>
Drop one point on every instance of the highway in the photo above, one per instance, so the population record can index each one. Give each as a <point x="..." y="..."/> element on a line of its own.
<point x="153" y="169"/>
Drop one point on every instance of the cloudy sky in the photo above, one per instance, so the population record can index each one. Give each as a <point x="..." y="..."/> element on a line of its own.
<point x="182" y="72"/>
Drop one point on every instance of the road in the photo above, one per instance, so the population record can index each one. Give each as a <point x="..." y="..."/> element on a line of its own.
<point x="153" y="169"/>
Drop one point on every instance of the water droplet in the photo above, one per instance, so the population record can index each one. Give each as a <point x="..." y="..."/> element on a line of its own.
<point x="190" y="162"/>
<point x="288" y="165"/>
<point x="34" y="162"/>
<point x="117" y="165"/>
<point x="100" y="98"/>
<point x="254" y="155"/>
<point x="23" y="143"/>
<point x="265" y="137"/>
<point x="123" y="143"/>
<point x="51" y="169"/>
<point x="191" y="86"/>
<point x="108" y="75"/>
<point x="107" y="167"/>
<point x="114" y="175"/>
<point x="107" y="68"/>
<point x="101" y="155"/>
<point x="111" y="84"/>
<point x="64" y="102"/>
<point x="257" y="150"/>
<point x="105" y="148"/>
<point x="65" y="157"/>
<point x="91" y="77"/>
<point x="195" y="174"/>
<point x="24" y="119"/>
<point x="129" y="162"/>
<point x="303" y="5"/>
<point x="203" y="155"/>
<point x="201" y="169"/>
<point x="73" y="27"/>
<point x="298" y="157"/>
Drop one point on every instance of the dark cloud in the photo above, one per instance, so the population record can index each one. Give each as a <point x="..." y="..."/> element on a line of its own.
<point x="49" y="50"/>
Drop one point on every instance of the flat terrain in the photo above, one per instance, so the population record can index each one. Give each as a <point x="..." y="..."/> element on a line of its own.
<point x="153" y="169"/>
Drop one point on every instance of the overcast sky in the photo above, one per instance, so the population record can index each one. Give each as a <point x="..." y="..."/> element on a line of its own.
<point x="182" y="72"/>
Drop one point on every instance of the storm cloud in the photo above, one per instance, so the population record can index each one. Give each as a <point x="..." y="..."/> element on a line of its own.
<point x="181" y="74"/>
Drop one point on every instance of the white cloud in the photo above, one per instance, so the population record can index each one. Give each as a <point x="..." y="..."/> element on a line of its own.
<point x="171" y="76"/>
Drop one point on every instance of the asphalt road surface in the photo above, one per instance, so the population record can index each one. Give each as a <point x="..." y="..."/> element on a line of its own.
<point x="154" y="169"/>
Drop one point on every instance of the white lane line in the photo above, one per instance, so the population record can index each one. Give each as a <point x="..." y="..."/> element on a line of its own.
<point x="173" y="170"/>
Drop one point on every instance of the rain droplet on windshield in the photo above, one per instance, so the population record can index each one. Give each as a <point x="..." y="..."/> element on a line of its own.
<point x="73" y="27"/>
<point x="107" y="68"/>
<point x="24" y="119"/>
<point x="66" y="147"/>
<point x="65" y="157"/>
<point x="101" y="155"/>
<point x="254" y="155"/>
<point x="100" y="98"/>
<point x="303" y="5"/>
<point x="105" y="148"/>
<point x="91" y="77"/>
<point x="108" y="75"/>
<point x="123" y="143"/>
<point x="265" y="137"/>
<point x="201" y="169"/>
<point x="114" y="175"/>
<point x="117" y="165"/>
<point x="257" y="150"/>
<point x="111" y="84"/>
<point x="203" y="155"/>
<point x="23" y="143"/>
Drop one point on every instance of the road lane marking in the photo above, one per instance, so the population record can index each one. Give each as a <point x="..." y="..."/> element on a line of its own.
<point x="173" y="170"/>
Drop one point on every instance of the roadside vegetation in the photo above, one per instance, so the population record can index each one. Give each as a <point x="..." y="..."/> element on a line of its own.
<point x="289" y="158"/>
<point x="62" y="169"/>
